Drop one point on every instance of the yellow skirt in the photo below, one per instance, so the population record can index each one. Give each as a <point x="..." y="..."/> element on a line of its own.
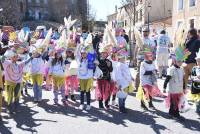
<point x="37" y="78"/>
<point x="140" y="93"/>
<point x="10" y="92"/>
<point x="58" y="81"/>
<point x="129" y="89"/>
<point x="27" y="77"/>
<point x="194" y="97"/>
<point x="86" y="85"/>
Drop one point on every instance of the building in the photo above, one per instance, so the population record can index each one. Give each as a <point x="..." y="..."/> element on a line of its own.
<point x="143" y="12"/>
<point x="186" y="12"/>
<point x="47" y="10"/>
<point x="99" y="26"/>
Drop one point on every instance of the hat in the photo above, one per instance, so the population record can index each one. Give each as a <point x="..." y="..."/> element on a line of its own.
<point x="198" y="55"/>
<point x="10" y="54"/>
<point x="145" y="29"/>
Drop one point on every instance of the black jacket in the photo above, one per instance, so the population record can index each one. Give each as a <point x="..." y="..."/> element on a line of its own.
<point x="193" y="46"/>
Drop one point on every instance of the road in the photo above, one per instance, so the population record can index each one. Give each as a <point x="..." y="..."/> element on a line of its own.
<point x="46" y="118"/>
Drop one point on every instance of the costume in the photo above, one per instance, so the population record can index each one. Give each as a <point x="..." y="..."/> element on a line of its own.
<point x="103" y="90"/>
<point x="71" y="81"/>
<point x="175" y="84"/>
<point x="195" y="91"/>
<point x="85" y="76"/>
<point x="57" y="71"/>
<point x="124" y="81"/>
<point x="148" y="81"/>
<point x="37" y="74"/>
<point x="13" y="78"/>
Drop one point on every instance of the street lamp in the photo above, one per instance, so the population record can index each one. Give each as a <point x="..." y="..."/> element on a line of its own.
<point x="148" y="8"/>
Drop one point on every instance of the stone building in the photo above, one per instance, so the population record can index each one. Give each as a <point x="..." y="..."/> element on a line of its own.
<point x="48" y="10"/>
<point x="186" y="12"/>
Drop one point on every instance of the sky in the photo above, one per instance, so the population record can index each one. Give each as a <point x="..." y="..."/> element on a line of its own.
<point x="104" y="8"/>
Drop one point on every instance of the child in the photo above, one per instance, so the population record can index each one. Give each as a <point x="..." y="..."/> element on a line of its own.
<point x="195" y="91"/>
<point x="13" y="78"/>
<point x="71" y="81"/>
<point x="175" y="88"/>
<point x="85" y="76"/>
<point x="103" y="91"/>
<point x="57" y="71"/>
<point x="113" y="84"/>
<point x="124" y="80"/>
<point x="148" y="80"/>
<point x="37" y="73"/>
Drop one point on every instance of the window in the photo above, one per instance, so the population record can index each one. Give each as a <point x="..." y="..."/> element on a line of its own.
<point x="191" y="23"/>
<point x="37" y="1"/>
<point x="180" y="4"/>
<point x="29" y="1"/>
<point x="179" y="23"/>
<point x="192" y="3"/>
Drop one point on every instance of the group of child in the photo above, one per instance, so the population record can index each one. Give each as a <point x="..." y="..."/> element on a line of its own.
<point x="65" y="69"/>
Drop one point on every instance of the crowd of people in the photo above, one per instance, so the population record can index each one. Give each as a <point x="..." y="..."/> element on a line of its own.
<point x="67" y="61"/>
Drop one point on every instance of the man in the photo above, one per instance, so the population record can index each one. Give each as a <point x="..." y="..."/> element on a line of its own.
<point x="193" y="45"/>
<point x="162" y="52"/>
<point x="148" y="44"/>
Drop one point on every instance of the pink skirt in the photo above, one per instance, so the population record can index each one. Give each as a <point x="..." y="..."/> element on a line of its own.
<point x="71" y="84"/>
<point x="175" y="98"/>
<point x="152" y="91"/>
<point x="103" y="90"/>
<point x="113" y="88"/>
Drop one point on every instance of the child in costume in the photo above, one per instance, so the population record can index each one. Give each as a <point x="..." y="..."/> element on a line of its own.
<point x="57" y="71"/>
<point x="195" y="91"/>
<point x="113" y="84"/>
<point x="13" y="79"/>
<point x="85" y="76"/>
<point x="37" y="73"/>
<point x="124" y="80"/>
<point x="148" y="80"/>
<point x="71" y="81"/>
<point x="103" y="91"/>
<point x="174" y="84"/>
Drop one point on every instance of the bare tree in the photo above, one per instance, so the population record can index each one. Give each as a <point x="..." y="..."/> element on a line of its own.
<point x="91" y="18"/>
<point x="10" y="14"/>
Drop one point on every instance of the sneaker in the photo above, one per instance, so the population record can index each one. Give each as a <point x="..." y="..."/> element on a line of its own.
<point x="143" y="106"/>
<point x="64" y="103"/>
<point x="88" y="107"/>
<point x="113" y="103"/>
<point x="107" y="107"/>
<point x="35" y="100"/>
<point x="73" y="98"/>
<point x="151" y="106"/>
<point x="81" y="107"/>
<point x="55" y="102"/>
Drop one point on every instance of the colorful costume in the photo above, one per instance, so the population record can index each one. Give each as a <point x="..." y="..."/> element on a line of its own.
<point x="37" y="74"/>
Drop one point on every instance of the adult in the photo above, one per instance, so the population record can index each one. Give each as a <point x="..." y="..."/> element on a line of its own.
<point x="148" y="44"/>
<point x="162" y="52"/>
<point x="193" y="45"/>
<point x="126" y="37"/>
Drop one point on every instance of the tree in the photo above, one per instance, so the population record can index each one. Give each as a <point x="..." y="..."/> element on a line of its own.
<point x="10" y="14"/>
<point x="91" y="18"/>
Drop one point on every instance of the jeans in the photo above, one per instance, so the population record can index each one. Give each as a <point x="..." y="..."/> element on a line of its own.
<point x="37" y="92"/>
<point x="121" y="103"/>
<point x="88" y="95"/>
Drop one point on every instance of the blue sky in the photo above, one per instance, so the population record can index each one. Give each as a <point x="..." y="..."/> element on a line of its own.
<point x="104" y="7"/>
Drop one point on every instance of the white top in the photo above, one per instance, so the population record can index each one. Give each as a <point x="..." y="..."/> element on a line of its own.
<point x="175" y="84"/>
<point x="147" y="79"/>
<point x="37" y="66"/>
<point x="58" y="69"/>
<point x="123" y="75"/>
<point x="163" y="44"/>
<point x="115" y="70"/>
<point x="83" y="71"/>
